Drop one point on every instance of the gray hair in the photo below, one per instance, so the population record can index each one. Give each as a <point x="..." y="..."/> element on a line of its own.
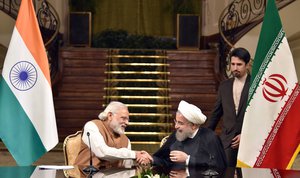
<point x="112" y="107"/>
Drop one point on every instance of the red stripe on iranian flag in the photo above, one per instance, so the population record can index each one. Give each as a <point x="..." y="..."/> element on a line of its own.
<point x="280" y="146"/>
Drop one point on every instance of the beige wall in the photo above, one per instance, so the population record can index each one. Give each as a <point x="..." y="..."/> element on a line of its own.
<point x="61" y="7"/>
<point x="6" y="28"/>
<point x="211" y="11"/>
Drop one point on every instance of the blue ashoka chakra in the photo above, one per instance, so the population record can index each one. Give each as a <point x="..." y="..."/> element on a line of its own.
<point x="23" y="75"/>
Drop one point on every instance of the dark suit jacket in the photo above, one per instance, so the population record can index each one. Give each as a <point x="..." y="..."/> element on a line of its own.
<point x="205" y="150"/>
<point x="224" y="107"/>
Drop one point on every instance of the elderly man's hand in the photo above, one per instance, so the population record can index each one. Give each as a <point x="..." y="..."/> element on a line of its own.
<point x="178" y="156"/>
<point x="143" y="158"/>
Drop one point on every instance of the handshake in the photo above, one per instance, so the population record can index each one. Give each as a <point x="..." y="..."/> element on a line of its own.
<point x="143" y="158"/>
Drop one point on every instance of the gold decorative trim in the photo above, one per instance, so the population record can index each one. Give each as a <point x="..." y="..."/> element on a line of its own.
<point x="136" y="80"/>
<point x="149" y="114"/>
<point x="137" y="88"/>
<point x="146" y="105"/>
<point x="148" y="133"/>
<point x="150" y="124"/>
<point x="137" y="97"/>
<point x="136" y="72"/>
<point x="137" y="64"/>
<point x="137" y="56"/>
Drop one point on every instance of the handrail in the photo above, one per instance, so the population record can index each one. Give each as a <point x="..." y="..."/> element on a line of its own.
<point x="10" y="7"/>
<point x="238" y="18"/>
<point x="49" y="19"/>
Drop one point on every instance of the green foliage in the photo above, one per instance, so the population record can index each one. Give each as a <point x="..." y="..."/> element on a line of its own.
<point x="121" y="39"/>
<point x="148" y="173"/>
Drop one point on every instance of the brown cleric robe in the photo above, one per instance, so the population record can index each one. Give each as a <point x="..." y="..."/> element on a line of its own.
<point x="111" y="140"/>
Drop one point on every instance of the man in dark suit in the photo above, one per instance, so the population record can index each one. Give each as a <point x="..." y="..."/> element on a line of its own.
<point x="231" y="104"/>
<point x="190" y="145"/>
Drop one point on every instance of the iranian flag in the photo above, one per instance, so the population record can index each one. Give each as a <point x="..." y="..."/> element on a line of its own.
<point x="27" y="119"/>
<point x="271" y="130"/>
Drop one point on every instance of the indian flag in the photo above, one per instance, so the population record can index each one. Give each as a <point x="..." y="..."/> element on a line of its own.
<point x="271" y="130"/>
<point x="27" y="118"/>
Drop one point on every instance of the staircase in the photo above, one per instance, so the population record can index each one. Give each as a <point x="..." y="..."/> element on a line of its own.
<point x="139" y="79"/>
<point x="150" y="82"/>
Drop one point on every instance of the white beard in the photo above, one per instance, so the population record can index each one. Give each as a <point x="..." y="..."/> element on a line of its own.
<point x="117" y="127"/>
<point x="181" y="136"/>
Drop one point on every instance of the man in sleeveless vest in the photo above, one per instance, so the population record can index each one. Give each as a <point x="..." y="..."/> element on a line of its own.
<point x="109" y="145"/>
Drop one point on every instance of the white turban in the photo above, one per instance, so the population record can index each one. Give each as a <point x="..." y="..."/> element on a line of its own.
<point x="191" y="112"/>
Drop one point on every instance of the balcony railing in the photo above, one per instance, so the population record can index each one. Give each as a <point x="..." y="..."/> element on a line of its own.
<point x="236" y="20"/>
<point x="49" y="23"/>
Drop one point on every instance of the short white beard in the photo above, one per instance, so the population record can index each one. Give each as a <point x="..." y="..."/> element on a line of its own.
<point x="117" y="127"/>
<point x="181" y="136"/>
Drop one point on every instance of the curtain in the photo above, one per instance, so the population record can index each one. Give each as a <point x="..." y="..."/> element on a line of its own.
<point x="144" y="17"/>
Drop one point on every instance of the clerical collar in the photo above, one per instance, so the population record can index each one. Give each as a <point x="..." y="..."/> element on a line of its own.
<point x="194" y="134"/>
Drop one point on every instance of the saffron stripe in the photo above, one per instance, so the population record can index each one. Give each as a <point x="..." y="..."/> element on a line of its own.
<point x="17" y="129"/>
<point x="31" y="35"/>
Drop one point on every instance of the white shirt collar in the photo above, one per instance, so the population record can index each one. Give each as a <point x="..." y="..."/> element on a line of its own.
<point x="194" y="134"/>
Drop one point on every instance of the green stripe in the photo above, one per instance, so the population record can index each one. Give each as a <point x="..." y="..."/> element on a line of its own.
<point x="16" y="130"/>
<point x="270" y="38"/>
<point x="19" y="172"/>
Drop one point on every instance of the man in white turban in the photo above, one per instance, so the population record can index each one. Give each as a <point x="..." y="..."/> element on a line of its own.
<point x="190" y="144"/>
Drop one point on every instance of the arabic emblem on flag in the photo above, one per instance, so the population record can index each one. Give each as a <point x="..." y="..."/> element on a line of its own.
<point x="23" y="75"/>
<point x="274" y="87"/>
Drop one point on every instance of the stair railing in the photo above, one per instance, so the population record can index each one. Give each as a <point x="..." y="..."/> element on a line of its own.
<point x="49" y="23"/>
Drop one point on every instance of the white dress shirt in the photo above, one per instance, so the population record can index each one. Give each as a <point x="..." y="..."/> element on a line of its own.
<point x="102" y="150"/>
<point x="238" y="85"/>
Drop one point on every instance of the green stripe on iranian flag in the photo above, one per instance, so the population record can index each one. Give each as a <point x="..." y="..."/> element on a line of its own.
<point x="27" y="118"/>
<point x="273" y="96"/>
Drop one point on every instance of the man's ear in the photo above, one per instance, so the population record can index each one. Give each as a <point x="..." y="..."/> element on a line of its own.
<point x="194" y="126"/>
<point x="109" y="116"/>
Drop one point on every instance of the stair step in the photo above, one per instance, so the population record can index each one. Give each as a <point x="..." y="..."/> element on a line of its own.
<point x="137" y="72"/>
<point x="150" y="124"/>
<point x="138" y="56"/>
<point x="136" y="64"/>
<point x="136" y="88"/>
<point x="136" y="80"/>
<point x="149" y="105"/>
<point x="149" y="114"/>
<point x="137" y="97"/>
<point x="147" y="133"/>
